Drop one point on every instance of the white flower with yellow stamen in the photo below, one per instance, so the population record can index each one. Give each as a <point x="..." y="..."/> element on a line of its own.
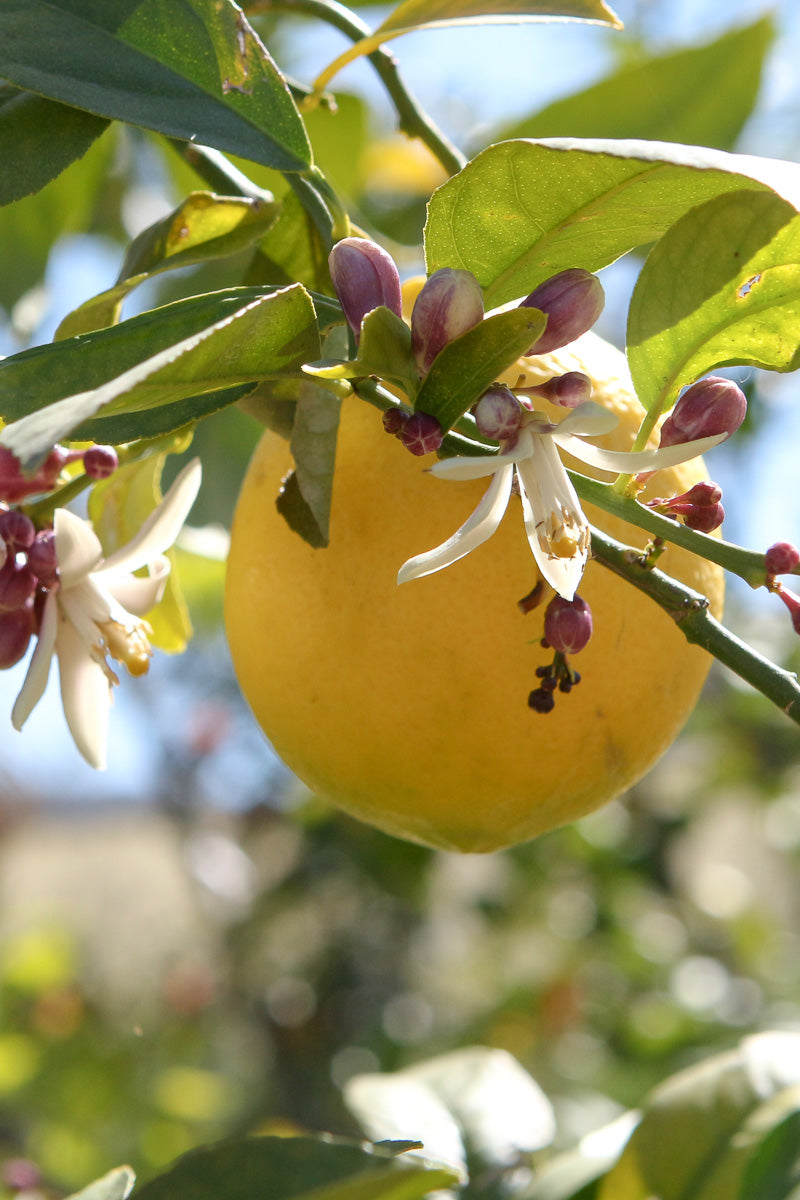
<point x="95" y="612"/>
<point x="557" y="529"/>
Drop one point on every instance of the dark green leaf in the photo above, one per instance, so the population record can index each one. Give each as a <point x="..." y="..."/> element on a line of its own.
<point x="156" y="422"/>
<point x="522" y="211"/>
<point x="701" y="95"/>
<point x="39" y="138"/>
<point x="721" y="287"/>
<point x="466" y="367"/>
<point x="313" y="445"/>
<point x="245" y="1168"/>
<point x="773" y="1173"/>
<point x="192" y="69"/>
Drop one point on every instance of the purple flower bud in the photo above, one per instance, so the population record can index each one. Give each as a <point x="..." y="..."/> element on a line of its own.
<point x="568" y="391"/>
<point x="15" y="486"/>
<point x="394" y="420"/>
<point x="16" y="530"/>
<point x="450" y="303"/>
<point x="100" y="461"/>
<point x="42" y="558"/>
<point x="712" y="405"/>
<point x="572" y="301"/>
<point x="705" y="517"/>
<point x="365" y="277"/>
<point x="541" y="700"/>
<point x="421" y="433"/>
<point x="498" y="413"/>
<point x="781" y="558"/>
<point x="15" y="634"/>
<point x="567" y="624"/>
<point x="17" y="585"/>
<point x="792" y="602"/>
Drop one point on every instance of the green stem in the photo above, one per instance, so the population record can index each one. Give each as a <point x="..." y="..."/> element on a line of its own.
<point x="747" y="564"/>
<point x="689" y="611"/>
<point x="413" y="120"/>
<point x="220" y="174"/>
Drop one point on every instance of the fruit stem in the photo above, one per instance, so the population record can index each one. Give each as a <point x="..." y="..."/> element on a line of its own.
<point x="689" y="610"/>
<point x="749" y="565"/>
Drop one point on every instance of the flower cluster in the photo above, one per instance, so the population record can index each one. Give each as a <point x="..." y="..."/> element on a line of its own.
<point x="529" y="442"/>
<point x="82" y="608"/>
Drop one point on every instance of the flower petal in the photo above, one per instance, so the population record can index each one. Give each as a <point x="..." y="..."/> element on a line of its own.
<point x="32" y="689"/>
<point x="632" y="461"/>
<point x="588" y="420"/>
<point x="137" y="594"/>
<point x="557" y="529"/>
<point x="85" y="695"/>
<point x="78" y="549"/>
<point x="479" y="466"/>
<point x="477" y="529"/>
<point x="162" y="526"/>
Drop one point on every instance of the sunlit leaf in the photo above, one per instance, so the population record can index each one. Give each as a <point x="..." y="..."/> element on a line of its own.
<point x="701" y="95"/>
<point x="115" y="1185"/>
<point x="191" y="69"/>
<point x="721" y="287"/>
<point x="522" y="211"/>
<point x="773" y="1173"/>
<point x="383" y="350"/>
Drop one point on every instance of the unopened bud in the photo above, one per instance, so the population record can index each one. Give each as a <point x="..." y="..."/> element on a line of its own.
<point x="711" y="406"/>
<point x="792" y="602"/>
<point x="541" y="700"/>
<point x="100" y="461"/>
<point x="17" y="585"/>
<point x="365" y="277"/>
<point x="781" y="558"/>
<point x="572" y="301"/>
<point x="450" y="303"/>
<point x="567" y="624"/>
<point x="567" y="391"/>
<point x="705" y="518"/>
<point x="394" y="420"/>
<point x="421" y="433"/>
<point x="42" y="558"/>
<point x="16" y="530"/>
<point x="15" y="634"/>
<point x="15" y="486"/>
<point x="497" y="413"/>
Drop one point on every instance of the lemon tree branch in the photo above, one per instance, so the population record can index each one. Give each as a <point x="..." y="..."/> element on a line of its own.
<point x="689" y="611"/>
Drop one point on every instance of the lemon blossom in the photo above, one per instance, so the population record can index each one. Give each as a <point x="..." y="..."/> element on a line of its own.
<point x="94" y="612"/>
<point x="555" y="524"/>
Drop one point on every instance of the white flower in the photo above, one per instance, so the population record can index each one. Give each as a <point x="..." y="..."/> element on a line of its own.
<point x="557" y="529"/>
<point x="95" y="612"/>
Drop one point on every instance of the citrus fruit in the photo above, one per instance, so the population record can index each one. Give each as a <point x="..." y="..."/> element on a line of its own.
<point x="407" y="706"/>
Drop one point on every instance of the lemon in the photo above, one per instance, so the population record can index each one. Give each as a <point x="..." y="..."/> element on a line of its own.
<point x="407" y="706"/>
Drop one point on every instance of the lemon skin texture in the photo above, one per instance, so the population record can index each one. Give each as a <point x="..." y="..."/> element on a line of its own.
<point x="407" y="705"/>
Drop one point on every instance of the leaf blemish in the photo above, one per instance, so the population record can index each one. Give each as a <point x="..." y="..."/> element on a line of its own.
<point x="747" y="286"/>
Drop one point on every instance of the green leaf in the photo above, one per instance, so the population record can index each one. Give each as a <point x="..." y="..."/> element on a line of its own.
<point x="258" y="337"/>
<point x="721" y="287"/>
<point x="773" y="1173"/>
<point x="203" y="227"/>
<point x="115" y="1185"/>
<point x="243" y="1168"/>
<point x="118" y="508"/>
<point x="412" y="15"/>
<point x="39" y="138"/>
<point x="701" y="95"/>
<point x="293" y="251"/>
<point x="699" y="1128"/>
<point x="522" y="211"/>
<point x="383" y="350"/>
<point x="466" y="367"/>
<point x="313" y="445"/>
<point x="574" y="1174"/>
<point x="191" y="69"/>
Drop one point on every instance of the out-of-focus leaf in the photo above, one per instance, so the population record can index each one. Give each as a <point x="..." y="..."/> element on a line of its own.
<point x="773" y="1173"/>
<point x="191" y="69"/>
<point x="410" y="1183"/>
<point x="118" y="508"/>
<point x="297" y="1166"/>
<point x="701" y="95"/>
<point x="269" y="335"/>
<point x="721" y="287"/>
<point x="400" y="1106"/>
<point x="467" y="366"/>
<point x="411" y="15"/>
<point x="40" y="138"/>
<point x="115" y="1185"/>
<point x="522" y="211"/>
<point x="574" y="1174"/>
<point x="699" y="1128"/>
<point x="202" y="228"/>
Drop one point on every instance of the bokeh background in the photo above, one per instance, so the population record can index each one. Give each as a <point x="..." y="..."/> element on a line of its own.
<point x="191" y="945"/>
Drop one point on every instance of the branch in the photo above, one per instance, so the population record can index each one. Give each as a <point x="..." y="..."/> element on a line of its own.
<point x="413" y="120"/>
<point x="689" y="611"/>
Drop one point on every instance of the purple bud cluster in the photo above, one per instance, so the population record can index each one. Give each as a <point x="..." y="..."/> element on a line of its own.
<point x="419" y="432"/>
<point x="567" y="630"/>
<point x="781" y="559"/>
<point x="700" y="507"/>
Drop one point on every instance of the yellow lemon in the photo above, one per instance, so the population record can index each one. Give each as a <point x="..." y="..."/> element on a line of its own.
<point x="407" y="705"/>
